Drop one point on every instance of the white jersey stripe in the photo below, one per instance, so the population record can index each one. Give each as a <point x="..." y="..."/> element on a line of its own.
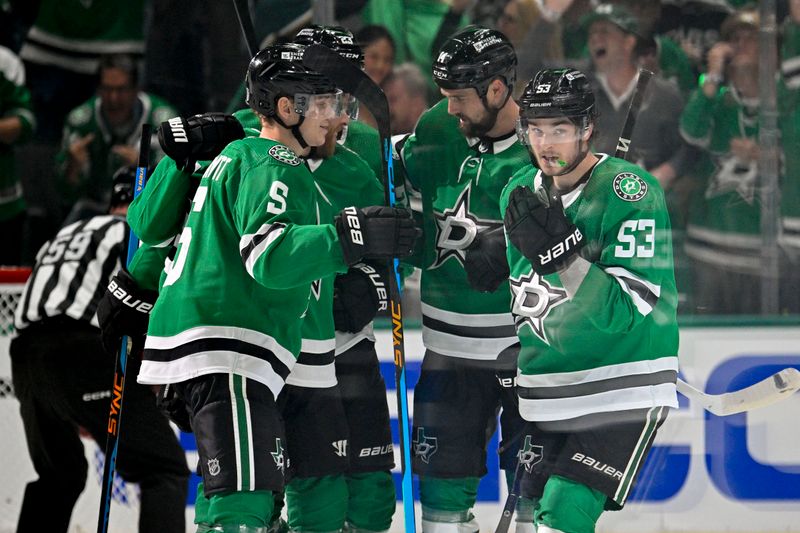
<point x="630" y="398"/>
<point x="225" y="332"/>
<point x="462" y="319"/>
<point x="313" y="376"/>
<point x="465" y="347"/>
<point x="270" y="232"/>
<point x="598" y="374"/>
<point x="212" y="362"/>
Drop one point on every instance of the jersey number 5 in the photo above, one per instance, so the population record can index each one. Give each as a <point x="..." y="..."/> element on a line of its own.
<point x="637" y="238"/>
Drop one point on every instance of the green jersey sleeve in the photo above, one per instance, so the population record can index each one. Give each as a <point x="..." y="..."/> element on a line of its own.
<point x="147" y="265"/>
<point x="274" y="211"/>
<point x="158" y="213"/>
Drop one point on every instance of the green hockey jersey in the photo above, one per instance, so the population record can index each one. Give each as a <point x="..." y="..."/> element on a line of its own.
<point x="341" y="181"/>
<point x="72" y="34"/>
<point x="234" y="297"/>
<point x="87" y="118"/>
<point x="458" y="183"/>
<point x="612" y="346"/>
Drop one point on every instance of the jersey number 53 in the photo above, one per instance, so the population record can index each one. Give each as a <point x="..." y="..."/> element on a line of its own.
<point x="637" y="238"/>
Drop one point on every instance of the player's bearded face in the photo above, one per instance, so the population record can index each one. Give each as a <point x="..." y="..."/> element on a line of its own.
<point x="474" y="120"/>
<point x="335" y="127"/>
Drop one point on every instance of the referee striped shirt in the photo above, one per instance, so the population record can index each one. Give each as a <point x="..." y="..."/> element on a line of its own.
<point x="72" y="271"/>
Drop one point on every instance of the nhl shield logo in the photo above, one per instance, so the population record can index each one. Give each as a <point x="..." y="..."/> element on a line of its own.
<point x="629" y="186"/>
<point x="213" y="467"/>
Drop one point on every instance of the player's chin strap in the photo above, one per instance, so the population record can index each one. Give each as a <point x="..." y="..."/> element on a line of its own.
<point x="294" y="129"/>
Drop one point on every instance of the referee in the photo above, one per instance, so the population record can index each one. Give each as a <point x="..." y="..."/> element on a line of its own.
<point x="62" y="376"/>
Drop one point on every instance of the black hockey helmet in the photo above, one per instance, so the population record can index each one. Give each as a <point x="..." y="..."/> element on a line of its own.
<point x="337" y="38"/>
<point x="122" y="186"/>
<point x="472" y="58"/>
<point x="278" y="71"/>
<point x="556" y="93"/>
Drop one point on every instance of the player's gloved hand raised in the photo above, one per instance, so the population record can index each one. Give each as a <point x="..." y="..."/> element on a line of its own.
<point x="197" y="138"/>
<point x="358" y="295"/>
<point x="375" y="232"/>
<point x="124" y="309"/>
<point x="537" y="226"/>
<point x="485" y="261"/>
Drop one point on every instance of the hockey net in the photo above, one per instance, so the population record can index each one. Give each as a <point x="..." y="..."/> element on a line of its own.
<point x="17" y="467"/>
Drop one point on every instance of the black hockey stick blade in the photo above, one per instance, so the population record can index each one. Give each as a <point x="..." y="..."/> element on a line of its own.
<point x="624" y="142"/>
<point x="242" y="8"/>
<point x="350" y="79"/>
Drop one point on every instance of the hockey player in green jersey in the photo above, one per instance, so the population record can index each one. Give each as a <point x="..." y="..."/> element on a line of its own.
<point x="225" y="329"/>
<point x="593" y="299"/>
<point x="334" y="404"/>
<point x="462" y="153"/>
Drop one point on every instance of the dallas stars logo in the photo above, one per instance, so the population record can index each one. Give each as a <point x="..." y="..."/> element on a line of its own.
<point x="277" y="455"/>
<point x="733" y="175"/>
<point x="530" y="454"/>
<point x="424" y="446"/>
<point x="456" y="229"/>
<point x="629" y="186"/>
<point x="534" y="298"/>
<point x="284" y="155"/>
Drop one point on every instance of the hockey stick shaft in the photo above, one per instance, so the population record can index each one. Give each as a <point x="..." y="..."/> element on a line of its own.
<point x="353" y="80"/>
<point x="768" y="391"/>
<point x="511" y="500"/>
<point x="624" y="142"/>
<point x="242" y="8"/>
<point x="121" y="362"/>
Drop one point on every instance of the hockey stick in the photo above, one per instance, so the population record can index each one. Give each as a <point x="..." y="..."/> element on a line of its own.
<point x="353" y="80"/>
<point x="773" y="389"/>
<point x="624" y="142"/>
<point x="622" y="152"/>
<point x="121" y="363"/>
<point x="242" y="8"/>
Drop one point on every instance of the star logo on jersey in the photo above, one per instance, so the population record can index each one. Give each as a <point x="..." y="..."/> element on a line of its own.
<point x="534" y="298"/>
<point x="629" y="186"/>
<point x="733" y="175"/>
<point x="278" y="456"/>
<point x="424" y="446"/>
<point x="457" y="228"/>
<point x="530" y="454"/>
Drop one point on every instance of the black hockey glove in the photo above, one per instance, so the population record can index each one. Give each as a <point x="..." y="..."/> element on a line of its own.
<point x="537" y="226"/>
<point x="485" y="261"/>
<point x="358" y="295"/>
<point x="173" y="407"/>
<point x="197" y="138"/>
<point x="375" y="232"/>
<point x="124" y="309"/>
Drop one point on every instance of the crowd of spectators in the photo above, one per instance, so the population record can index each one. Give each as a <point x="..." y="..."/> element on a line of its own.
<point x="77" y="80"/>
